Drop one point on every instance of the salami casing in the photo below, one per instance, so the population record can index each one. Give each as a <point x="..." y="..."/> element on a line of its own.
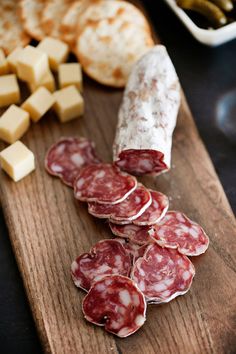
<point x="105" y="257"/>
<point x="135" y="234"/>
<point x="116" y="303"/>
<point x="162" y="274"/>
<point x="66" y="158"/>
<point x="103" y="183"/>
<point x="176" y="230"/>
<point x="131" y="208"/>
<point x="147" y="116"/>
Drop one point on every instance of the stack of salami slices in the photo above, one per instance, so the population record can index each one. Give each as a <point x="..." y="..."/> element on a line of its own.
<point x="147" y="262"/>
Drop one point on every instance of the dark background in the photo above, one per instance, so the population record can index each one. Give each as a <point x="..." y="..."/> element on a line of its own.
<point x="208" y="77"/>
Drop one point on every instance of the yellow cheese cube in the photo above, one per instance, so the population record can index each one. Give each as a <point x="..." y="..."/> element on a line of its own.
<point x="12" y="59"/>
<point x="13" y="124"/>
<point x="32" y="64"/>
<point x="38" y="103"/>
<point x="47" y="81"/>
<point x="70" y="74"/>
<point x="4" y="68"/>
<point x="69" y="103"/>
<point x="9" y="90"/>
<point x="17" y="161"/>
<point x="56" y="50"/>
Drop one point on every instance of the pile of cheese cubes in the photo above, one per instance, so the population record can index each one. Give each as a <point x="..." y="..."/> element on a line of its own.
<point x="34" y="65"/>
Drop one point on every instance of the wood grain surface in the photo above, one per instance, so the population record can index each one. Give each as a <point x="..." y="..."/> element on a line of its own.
<point x="48" y="229"/>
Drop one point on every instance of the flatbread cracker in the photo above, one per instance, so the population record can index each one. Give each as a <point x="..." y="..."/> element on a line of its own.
<point x="31" y="13"/>
<point x="69" y="23"/>
<point x="12" y="34"/>
<point x="107" y="49"/>
<point x="52" y="16"/>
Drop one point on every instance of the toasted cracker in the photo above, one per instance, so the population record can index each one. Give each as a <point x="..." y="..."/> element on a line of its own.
<point x="69" y="23"/>
<point x="107" y="49"/>
<point x="31" y="12"/>
<point x="52" y="16"/>
<point x="12" y="34"/>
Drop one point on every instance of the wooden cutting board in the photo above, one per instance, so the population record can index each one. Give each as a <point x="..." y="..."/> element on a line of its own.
<point x="48" y="229"/>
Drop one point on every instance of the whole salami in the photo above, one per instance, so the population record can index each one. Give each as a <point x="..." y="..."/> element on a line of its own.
<point x="116" y="303"/>
<point x="147" y="116"/>
<point x="162" y="274"/>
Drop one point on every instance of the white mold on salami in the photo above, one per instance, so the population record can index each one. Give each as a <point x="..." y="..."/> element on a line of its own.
<point x="103" y="183"/>
<point x="116" y="303"/>
<point x="147" y="116"/>
<point x="162" y="274"/>
<point x="176" y="230"/>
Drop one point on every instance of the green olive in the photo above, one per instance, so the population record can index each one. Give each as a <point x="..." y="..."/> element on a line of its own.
<point x="225" y="5"/>
<point x="209" y="10"/>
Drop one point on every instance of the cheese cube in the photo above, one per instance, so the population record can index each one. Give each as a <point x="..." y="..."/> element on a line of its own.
<point x="32" y="64"/>
<point x="13" y="58"/>
<point x="56" y="50"/>
<point x="17" y="161"/>
<point x="4" y="68"/>
<point x="70" y="74"/>
<point x="69" y="103"/>
<point x="13" y="124"/>
<point x="47" y="81"/>
<point x="38" y="103"/>
<point x="9" y="90"/>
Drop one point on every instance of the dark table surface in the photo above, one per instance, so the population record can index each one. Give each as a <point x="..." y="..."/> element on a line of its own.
<point x="208" y="77"/>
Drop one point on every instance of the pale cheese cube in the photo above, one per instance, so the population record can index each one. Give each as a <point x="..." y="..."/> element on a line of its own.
<point x="70" y="74"/>
<point x="4" y="68"/>
<point x="69" y="103"/>
<point x="13" y="58"/>
<point x="38" y="103"/>
<point x="9" y="90"/>
<point x="17" y="161"/>
<point x="47" y="81"/>
<point x="32" y="64"/>
<point x="56" y="50"/>
<point x="13" y="124"/>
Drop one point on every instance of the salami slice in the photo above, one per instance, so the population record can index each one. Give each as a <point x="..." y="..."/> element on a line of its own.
<point x="66" y="158"/>
<point x="116" y="303"/>
<point x="136" y="234"/>
<point x="131" y="208"/>
<point x="105" y="257"/>
<point x="135" y="251"/>
<point x="155" y="212"/>
<point x="175" y="230"/>
<point x="103" y="183"/>
<point x="162" y="274"/>
<point x="147" y="116"/>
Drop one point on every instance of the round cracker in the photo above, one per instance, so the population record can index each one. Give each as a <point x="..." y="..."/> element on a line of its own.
<point x="69" y="23"/>
<point x="12" y="34"/>
<point x="107" y="49"/>
<point x="31" y="12"/>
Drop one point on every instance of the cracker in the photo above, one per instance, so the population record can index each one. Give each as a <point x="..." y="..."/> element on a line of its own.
<point x="52" y="16"/>
<point x="107" y="49"/>
<point x="31" y="12"/>
<point x="12" y="34"/>
<point x="69" y="23"/>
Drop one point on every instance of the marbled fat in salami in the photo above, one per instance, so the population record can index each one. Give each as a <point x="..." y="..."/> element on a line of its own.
<point x="162" y="274"/>
<point x="136" y="234"/>
<point x="155" y="212"/>
<point x="105" y="257"/>
<point x="175" y="230"/>
<point x="103" y="183"/>
<point x="116" y="303"/>
<point x="131" y="208"/>
<point x="135" y="251"/>
<point x="66" y="158"/>
<point x="147" y="116"/>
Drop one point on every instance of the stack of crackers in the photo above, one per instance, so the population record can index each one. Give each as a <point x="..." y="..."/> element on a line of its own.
<point x="107" y="36"/>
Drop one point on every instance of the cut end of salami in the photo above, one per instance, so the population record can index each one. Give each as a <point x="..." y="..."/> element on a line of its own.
<point x="162" y="274"/>
<point x="103" y="183"/>
<point x="116" y="303"/>
<point x="105" y="257"/>
<point x="176" y="230"/>
<point x="136" y="234"/>
<point x="141" y="162"/>
<point x="68" y="156"/>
